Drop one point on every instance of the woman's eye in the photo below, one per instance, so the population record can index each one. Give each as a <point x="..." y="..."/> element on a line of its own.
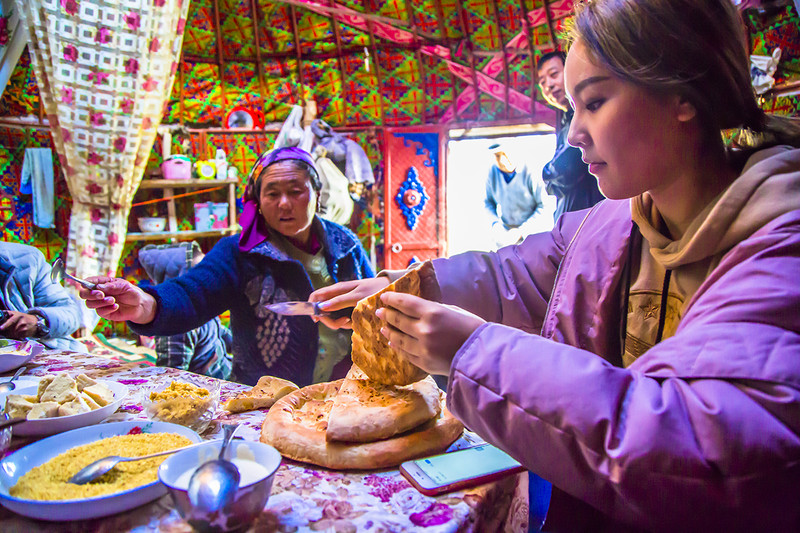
<point x="594" y="105"/>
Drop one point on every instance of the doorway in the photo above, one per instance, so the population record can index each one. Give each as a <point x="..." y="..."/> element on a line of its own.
<point x="468" y="164"/>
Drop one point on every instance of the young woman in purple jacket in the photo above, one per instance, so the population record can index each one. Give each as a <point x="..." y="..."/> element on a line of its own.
<point x="644" y="356"/>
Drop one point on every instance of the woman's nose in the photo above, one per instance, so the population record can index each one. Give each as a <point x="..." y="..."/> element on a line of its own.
<point x="577" y="136"/>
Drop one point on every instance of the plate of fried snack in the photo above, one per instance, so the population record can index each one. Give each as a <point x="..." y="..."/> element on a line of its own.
<point x="34" y="481"/>
<point x="60" y="402"/>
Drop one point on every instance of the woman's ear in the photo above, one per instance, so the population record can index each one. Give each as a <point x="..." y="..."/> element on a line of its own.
<point x="684" y="109"/>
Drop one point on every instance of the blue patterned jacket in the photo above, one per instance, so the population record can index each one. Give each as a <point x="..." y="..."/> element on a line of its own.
<point x="264" y="343"/>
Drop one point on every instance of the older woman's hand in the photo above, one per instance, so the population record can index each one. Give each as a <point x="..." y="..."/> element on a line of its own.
<point x="427" y="333"/>
<point x="118" y="299"/>
<point x="345" y="294"/>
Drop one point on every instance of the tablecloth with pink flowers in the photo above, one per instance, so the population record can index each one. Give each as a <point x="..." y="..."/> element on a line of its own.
<point x="304" y="497"/>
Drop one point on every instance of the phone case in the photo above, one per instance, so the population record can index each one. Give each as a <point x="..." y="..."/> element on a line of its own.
<point x="461" y="484"/>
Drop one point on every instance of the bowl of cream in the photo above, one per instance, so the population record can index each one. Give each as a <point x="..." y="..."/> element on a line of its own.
<point x="257" y="463"/>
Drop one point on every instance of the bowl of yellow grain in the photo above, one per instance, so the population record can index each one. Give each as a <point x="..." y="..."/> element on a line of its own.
<point x="190" y="400"/>
<point x="34" y="479"/>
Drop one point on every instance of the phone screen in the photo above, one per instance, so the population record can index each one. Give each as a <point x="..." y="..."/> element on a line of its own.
<point x="466" y="464"/>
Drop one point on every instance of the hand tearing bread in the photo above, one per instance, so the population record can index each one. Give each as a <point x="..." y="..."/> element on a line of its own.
<point x="371" y="351"/>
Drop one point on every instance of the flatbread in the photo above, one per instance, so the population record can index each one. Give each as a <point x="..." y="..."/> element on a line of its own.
<point x="263" y="395"/>
<point x="297" y="423"/>
<point x="371" y="351"/>
<point x="366" y="411"/>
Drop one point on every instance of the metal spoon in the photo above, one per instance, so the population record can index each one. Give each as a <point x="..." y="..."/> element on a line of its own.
<point x="58" y="271"/>
<point x="213" y="485"/>
<point x="9" y="385"/>
<point x="94" y="470"/>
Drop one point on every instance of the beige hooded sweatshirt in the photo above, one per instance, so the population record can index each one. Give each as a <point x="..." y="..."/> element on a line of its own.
<point x="768" y="187"/>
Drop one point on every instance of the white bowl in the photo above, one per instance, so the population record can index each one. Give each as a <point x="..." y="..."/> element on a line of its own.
<point x="51" y="426"/>
<point x="152" y="224"/>
<point x="20" y="462"/>
<point x="257" y="463"/>
<point x="14" y="353"/>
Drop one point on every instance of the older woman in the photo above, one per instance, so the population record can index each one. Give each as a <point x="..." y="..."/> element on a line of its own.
<point x="283" y="253"/>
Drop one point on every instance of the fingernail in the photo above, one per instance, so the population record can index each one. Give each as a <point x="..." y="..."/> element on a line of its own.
<point x="384" y="332"/>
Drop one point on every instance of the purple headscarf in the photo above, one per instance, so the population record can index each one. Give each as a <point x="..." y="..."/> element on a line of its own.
<point x="254" y="229"/>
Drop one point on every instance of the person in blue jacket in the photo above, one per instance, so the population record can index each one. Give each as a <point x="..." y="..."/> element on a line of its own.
<point x="283" y="253"/>
<point x="34" y="306"/>
<point x="203" y="350"/>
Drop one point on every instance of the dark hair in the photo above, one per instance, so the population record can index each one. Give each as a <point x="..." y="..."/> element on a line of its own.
<point x="548" y="56"/>
<point x="316" y="184"/>
<point x="696" y="48"/>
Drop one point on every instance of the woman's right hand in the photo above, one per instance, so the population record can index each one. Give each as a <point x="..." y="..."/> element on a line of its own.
<point x="118" y="300"/>
<point x="345" y="294"/>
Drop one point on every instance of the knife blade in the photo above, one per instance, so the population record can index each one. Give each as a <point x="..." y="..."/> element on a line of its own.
<point x="308" y="309"/>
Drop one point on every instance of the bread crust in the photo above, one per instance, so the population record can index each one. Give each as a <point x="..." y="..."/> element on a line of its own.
<point x="371" y="351"/>
<point x="366" y="411"/>
<point x="267" y="391"/>
<point x="304" y="439"/>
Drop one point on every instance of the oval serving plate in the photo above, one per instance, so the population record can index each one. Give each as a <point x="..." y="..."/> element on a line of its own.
<point x="14" y="353"/>
<point x="50" y="426"/>
<point x="18" y="463"/>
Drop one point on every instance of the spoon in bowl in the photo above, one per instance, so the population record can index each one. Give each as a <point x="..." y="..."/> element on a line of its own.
<point x="58" y="271"/>
<point x="9" y="385"/>
<point x="213" y="485"/>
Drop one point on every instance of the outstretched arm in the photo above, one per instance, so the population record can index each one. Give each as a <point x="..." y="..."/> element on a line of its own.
<point x="119" y="300"/>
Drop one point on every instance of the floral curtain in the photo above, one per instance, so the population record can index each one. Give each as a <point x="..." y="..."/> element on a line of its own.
<point x="105" y="69"/>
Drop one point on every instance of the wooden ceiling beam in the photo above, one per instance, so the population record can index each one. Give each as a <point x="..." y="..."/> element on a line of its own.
<point x="299" y="53"/>
<point x="262" y="86"/>
<point x="531" y="55"/>
<point x="443" y="32"/>
<point x="220" y="57"/>
<point x="420" y="68"/>
<point x="465" y="31"/>
<point x="340" y="61"/>
<point x="507" y="80"/>
<point x="549" y="17"/>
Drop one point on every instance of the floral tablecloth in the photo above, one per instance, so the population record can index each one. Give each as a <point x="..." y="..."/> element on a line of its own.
<point x="304" y="497"/>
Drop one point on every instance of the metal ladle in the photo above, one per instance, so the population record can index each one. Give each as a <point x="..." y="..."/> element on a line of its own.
<point x="213" y="485"/>
<point x="58" y="272"/>
<point x="9" y="385"/>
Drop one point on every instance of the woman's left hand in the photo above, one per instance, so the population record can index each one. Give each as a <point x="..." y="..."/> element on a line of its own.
<point x="427" y="333"/>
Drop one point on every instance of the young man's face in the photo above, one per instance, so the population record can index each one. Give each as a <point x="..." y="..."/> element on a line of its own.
<point x="551" y="82"/>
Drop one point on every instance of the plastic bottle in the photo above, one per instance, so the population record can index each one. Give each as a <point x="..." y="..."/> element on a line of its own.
<point x="221" y="161"/>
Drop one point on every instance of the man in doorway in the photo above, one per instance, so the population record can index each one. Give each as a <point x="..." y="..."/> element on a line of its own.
<point x="515" y="200"/>
<point x="566" y="176"/>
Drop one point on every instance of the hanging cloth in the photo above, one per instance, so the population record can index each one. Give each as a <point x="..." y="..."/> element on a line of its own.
<point x="335" y="202"/>
<point x="37" y="180"/>
<point x="346" y="153"/>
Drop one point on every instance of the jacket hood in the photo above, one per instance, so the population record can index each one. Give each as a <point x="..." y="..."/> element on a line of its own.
<point x="768" y="187"/>
<point x="167" y="261"/>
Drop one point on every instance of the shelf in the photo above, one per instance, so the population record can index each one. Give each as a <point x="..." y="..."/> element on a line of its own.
<point x="176" y="184"/>
<point x="179" y="235"/>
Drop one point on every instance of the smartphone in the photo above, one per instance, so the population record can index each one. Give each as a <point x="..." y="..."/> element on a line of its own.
<point x="460" y="469"/>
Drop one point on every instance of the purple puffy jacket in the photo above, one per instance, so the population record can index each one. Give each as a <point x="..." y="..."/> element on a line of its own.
<point x="700" y="433"/>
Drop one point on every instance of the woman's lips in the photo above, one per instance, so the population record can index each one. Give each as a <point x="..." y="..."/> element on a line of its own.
<point x="595" y="167"/>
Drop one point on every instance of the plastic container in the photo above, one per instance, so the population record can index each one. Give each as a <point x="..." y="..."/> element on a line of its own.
<point x="210" y="215"/>
<point x="192" y="411"/>
<point x="177" y="167"/>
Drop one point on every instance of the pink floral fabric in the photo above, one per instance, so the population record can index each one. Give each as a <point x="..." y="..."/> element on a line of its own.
<point x="304" y="498"/>
<point x="104" y="70"/>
